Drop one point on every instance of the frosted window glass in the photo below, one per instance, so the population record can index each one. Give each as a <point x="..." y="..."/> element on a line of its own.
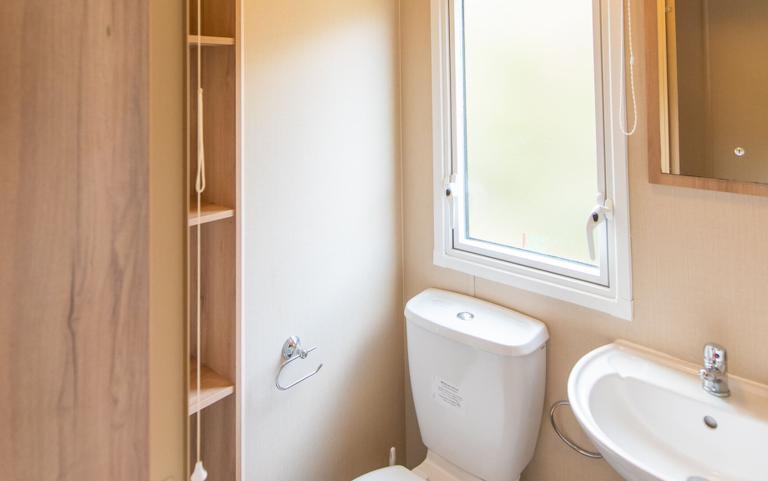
<point x="531" y="151"/>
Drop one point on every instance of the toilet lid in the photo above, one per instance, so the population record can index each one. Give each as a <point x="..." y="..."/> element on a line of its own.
<point x="392" y="473"/>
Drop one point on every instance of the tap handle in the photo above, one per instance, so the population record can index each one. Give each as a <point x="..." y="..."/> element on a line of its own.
<point x="715" y="358"/>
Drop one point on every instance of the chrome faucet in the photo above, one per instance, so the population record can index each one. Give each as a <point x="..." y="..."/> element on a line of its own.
<point x="714" y="376"/>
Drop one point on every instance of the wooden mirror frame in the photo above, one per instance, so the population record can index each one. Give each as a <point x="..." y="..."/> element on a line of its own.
<point x="656" y="124"/>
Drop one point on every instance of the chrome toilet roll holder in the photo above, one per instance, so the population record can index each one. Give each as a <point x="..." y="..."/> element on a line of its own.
<point x="292" y="351"/>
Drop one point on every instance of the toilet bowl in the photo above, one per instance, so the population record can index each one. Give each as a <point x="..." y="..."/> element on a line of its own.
<point x="392" y="473"/>
<point x="477" y="376"/>
<point x="433" y="468"/>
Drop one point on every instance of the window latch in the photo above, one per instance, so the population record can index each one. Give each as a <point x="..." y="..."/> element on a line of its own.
<point x="602" y="212"/>
<point x="451" y="186"/>
<point x="451" y="195"/>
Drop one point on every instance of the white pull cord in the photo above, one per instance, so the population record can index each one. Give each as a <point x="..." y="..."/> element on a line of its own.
<point x="622" y="115"/>
<point x="392" y="456"/>
<point x="200" y="180"/>
<point x="199" y="473"/>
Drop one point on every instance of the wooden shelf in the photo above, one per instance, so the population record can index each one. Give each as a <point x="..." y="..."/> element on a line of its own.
<point x="208" y="213"/>
<point x="209" y="41"/>
<point x="214" y="388"/>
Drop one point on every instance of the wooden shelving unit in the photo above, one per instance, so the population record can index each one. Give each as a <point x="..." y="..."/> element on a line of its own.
<point x="208" y="213"/>
<point x="219" y="224"/>
<point x="209" y="41"/>
<point x="214" y="387"/>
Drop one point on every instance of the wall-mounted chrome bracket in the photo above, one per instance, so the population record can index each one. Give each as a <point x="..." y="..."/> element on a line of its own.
<point x="568" y="442"/>
<point x="292" y="350"/>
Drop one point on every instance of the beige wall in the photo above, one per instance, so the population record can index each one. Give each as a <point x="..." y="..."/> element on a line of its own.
<point x="700" y="268"/>
<point x="167" y="372"/>
<point x="322" y="243"/>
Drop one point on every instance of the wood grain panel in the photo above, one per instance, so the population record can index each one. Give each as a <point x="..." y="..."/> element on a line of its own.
<point x="208" y="41"/>
<point x="220" y="353"/>
<point x="208" y="213"/>
<point x="213" y="388"/>
<point x="219" y="87"/>
<point x="73" y="268"/>
<point x="218" y="17"/>
<point x="219" y="308"/>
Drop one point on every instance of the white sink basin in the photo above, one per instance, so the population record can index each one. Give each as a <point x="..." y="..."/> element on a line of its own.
<point x="647" y="415"/>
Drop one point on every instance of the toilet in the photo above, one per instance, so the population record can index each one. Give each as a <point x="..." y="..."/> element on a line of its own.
<point x="477" y="376"/>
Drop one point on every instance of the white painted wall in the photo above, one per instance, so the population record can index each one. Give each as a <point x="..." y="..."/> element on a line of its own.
<point x="321" y="237"/>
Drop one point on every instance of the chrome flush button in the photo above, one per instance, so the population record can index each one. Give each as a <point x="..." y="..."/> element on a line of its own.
<point x="465" y="316"/>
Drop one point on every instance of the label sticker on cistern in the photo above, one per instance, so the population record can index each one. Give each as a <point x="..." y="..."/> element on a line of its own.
<point x="447" y="394"/>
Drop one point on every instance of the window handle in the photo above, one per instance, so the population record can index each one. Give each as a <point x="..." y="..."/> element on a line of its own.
<point x="452" y="195"/>
<point x="602" y="212"/>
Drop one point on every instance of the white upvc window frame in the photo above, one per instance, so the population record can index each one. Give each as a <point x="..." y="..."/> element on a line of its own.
<point x="606" y="288"/>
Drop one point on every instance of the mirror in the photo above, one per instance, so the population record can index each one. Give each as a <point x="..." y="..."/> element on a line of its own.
<point x="713" y="75"/>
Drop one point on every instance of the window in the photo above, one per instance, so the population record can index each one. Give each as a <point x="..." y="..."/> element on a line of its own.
<point x="530" y="159"/>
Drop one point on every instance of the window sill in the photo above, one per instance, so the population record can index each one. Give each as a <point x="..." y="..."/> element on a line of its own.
<point x="566" y="289"/>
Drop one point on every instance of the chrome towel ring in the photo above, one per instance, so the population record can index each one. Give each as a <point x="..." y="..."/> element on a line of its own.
<point x="292" y="350"/>
<point x="564" y="438"/>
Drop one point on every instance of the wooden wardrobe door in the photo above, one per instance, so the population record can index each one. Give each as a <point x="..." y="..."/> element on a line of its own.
<point x="73" y="248"/>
